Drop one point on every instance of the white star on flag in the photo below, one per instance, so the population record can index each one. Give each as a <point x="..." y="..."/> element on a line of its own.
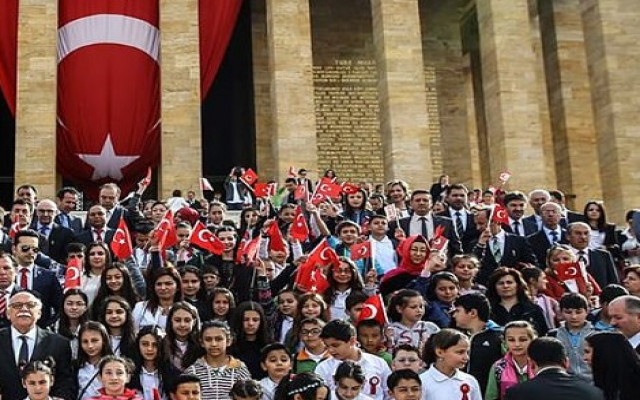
<point x="107" y="163"/>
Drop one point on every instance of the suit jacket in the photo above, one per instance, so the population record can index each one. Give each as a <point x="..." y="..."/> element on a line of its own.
<point x="455" y="246"/>
<point x="75" y="223"/>
<point x="602" y="268"/>
<point x="530" y="227"/>
<point x="540" y="244"/>
<point x="55" y="246"/>
<point x="46" y="283"/>
<point x="48" y="344"/>
<point x="516" y="250"/>
<point x="531" y="221"/>
<point x="470" y="234"/>
<point x="554" y="384"/>
<point x="5" y="241"/>
<point x="86" y="236"/>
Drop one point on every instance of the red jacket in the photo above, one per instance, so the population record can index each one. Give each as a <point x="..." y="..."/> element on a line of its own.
<point x="556" y="288"/>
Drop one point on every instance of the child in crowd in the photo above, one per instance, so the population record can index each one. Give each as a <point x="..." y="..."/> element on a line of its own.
<point x="211" y="277"/>
<point x="472" y="314"/>
<point x="354" y="304"/>
<point x="515" y="367"/>
<point x="74" y="314"/>
<point x="446" y="355"/>
<point x="115" y="315"/>
<point x="304" y="386"/>
<point x="152" y="373"/>
<point x="340" y="338"/>
<point x="371" y="339"/>
<point x="217" y="370"/>
<point x="406" y="356"/>
<point x="343" y="279"/>
<point x="441" y="293"/>
<point x="600" y="317"/>
<point x="574" y="308"/>
<point x="349" y="379"/>
<point x="181" y="343"/>
<point x="405" y="311"/>
<point x="287" y="311"/>
<point x="405" y="384"/>
<point x="314" y="349"/>
<point x="246" y="389"/>
<point x="115" y="373"/>
<point x="465" y="268"/>
<point x="222" y="303"/>
<point x="276" y="362"/>
<point x="37" y="379"/>
<point x="536" y="280"/>
<point x="186" y="387"/>
<point x="94" y="344"/>
<point x="250" y="335"/>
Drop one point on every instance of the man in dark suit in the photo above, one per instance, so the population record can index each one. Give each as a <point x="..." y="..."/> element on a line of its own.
<point x="97" y="230"/>
<point x="537" y="198"/>
<point x="33" y="277"/>
<point x="552" y="382"/>
<point x="423" y="222"/>
<point x="67" y="201"/>
<point x="599" y="263"/>
<point x="54" y="238"/>
<point x="7" y="284"/>
<point x="550" y="234"/>
<point x="625" y="316"/>
<point x="497" y="248"/>
<point x="24" y="342"/>
<point x="457" y="198"/>
<point x="568" y="216"/>
<point x="109" y="197"/>
<point x="516" y="203"/>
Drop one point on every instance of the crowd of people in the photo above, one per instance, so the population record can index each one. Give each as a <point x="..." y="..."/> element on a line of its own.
<point x="321" y="290"/>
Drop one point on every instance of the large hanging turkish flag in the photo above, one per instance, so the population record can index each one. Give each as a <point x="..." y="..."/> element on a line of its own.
<point x="8" y="49"/>
<point x="108" y="91"/>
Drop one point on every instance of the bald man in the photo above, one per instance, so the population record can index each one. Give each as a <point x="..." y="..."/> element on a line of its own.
<point x="54" y="238"/>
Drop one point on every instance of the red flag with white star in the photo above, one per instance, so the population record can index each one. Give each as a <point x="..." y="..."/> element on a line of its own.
<point x="121" y="243"/>
<point x="205" y="239"/>
<point x="299" y="228"/>
<point x="72" y="274"/>
<point x="500" y="214"/>
<point x="108" y="91"/>
<point x="373" y="309"/>
<point x="166" y="231"/>
<point x="360" y="250"/>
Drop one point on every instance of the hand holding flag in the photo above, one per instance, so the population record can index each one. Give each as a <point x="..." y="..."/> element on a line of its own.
<point x="360" y="250"/>
<point x="205" y="239"/>
<point x="72" y="274"/>
<point x="373" y="308"/>
<point x="299" y="228"/>
<point x="121" y="243"/>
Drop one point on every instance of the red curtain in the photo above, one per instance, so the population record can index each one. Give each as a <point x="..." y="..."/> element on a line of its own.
<point x="8" y="51"/>
<point x="217" y="20"/>
<point x="108" y="91"/>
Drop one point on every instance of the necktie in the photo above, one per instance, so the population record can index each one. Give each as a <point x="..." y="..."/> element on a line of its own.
<point x="582" y="258"/>
<point x="44" y="231"/>
<point x="516" y="228"/>
<point x="554" y="237"/>
<point x="64" y="220"/>
<point x="495" y="249"/>
<point x="98" y="235"/>
<point x="3" y="303"/>
<point x="424" y="227"/>
<point x="459" y="226"/>
<point x="23" y="356"/>
<point x="24" y="278"/>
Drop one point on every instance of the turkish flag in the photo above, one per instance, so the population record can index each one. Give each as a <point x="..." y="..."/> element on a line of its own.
<point x="373" y="308"/>
<point x="205" y="184"/>
<point x="299" y="228"/>
<point x="248" y="251"/>
<point x="310" y="278"/>
<point x="327" y="180"/>
<point x="500" y="215"/>
<point x="8" y="51"/>
<point x="166" y="231"/>
<point x="15" y="228"/>
<point x="121" y="243"/>
<point x="108" y="91"/>
<point x="146" y="181"/>
<point x="350" y="188"/>
<point x="323" y="255"/>
<point x="329" y="190"/>
<point x="203" y="238"/>
<point x="265" y="189"/>
<point x="504" y="177"/>
<point x="72" y="274"/>
<point x="301" y="192"/>
<point x="249" y="177"/>
<point x="276" y="241"/>
<point x="360" y="250"/>
<point x="439" y="241"/>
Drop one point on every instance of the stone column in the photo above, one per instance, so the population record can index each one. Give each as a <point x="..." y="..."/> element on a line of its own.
<point x="181" y="160"/>
<point x="511" y="93"/>
<point x="291" y="73"/>
<point x="403" y="106"/>
<point x="612" y="38"/>
<point x="35" y="161"/>
<point x="570" y="109"/>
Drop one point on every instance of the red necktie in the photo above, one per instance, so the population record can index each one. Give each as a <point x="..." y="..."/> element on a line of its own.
<point x="3" y="303"/>
<point x="99" y="235"/>
<point x="24" y="282"/>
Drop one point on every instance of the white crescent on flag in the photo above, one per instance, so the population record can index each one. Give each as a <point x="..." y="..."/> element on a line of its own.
<point x="501" y="214"/>
<point x="372" y="310"/>
<point x="323" y="257"/>
<point x="75" y="274"/>
<point x="202" y="236"/>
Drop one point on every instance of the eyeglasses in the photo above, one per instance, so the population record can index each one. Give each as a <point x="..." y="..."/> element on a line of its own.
<point x="25" y="248"/>
<point x="29" y="304"/>
<point x="407" y="360"/>
<point x="46" y="211"/>
<point x="310" y="332"/>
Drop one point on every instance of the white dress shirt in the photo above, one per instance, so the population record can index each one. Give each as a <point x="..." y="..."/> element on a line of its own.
<point x="436" y="385"/>
<point x="338" y="307"/>
<point x="16" y="342"/>
<point x="30" y="269"/>
<point x="376" y="371"/>
<point x="415" y="225"/>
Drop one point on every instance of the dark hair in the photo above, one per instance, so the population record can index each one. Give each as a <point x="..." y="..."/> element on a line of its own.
<point x="349" y="211"/>
<point x="107" y="256"/>
<point x="475" y="301"/>
<point x="181" y="379"/>
<point x="400" y="299"/>
<point x="127" y="291"/>
<point x="338" y="330"/>
<point x="193" y="350"/>
<point x="612" y="291"/>
<point x="405" y="347"/>
<point x="46" y="366"/>
<point x="275" y="346"/>
<point x="407" y="374"/>
<point x="574" y="301"/>
<point x="216" y="325"/>
<point x="305" y="384"/>
<point x="602" y="219"/>
<point x="25" y="233"/>
<point x="263" y="335"/>
<point x="530" y="274"/>
<point x="67" y="189"/>
<point x="128" y="364"/>
<point x="345" y="224"/>
<point x="64" y="326"/>
<point x="443" y="340"/>
<point x="229" y="295"/>
<point x="547" y="351"/>
<point x="420" y="192"/>
<point x="369" y="323"/>
<point x="515" y="195"/>
<point x="437" y="278"/>
<point x="128" y="329"/>
<point x="355" y="284"/>
<point x="499" y="273"/>
<point x="615" y="365"/>
<point x="153" y="301"/>
<point x="354" y="298"/>
<point x="456" y="186"/>
<point x="96" y="327"/>
<point x="246" y="388"/>
<point x="159" y="334"/>
<point x="75" y="247"/>
<point x="349" y="369"/>
<point x="201" y="295"/>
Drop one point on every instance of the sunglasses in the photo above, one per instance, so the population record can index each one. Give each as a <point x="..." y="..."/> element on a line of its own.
<point x="25" y="248"/>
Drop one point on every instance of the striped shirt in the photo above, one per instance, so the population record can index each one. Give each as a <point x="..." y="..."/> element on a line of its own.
<point x="216" y="383"/>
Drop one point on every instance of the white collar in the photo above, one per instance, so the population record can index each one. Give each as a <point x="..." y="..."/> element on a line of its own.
<point x="30" y="335"/>
<point x="635" y="340"/>
<point x="440" y="377"/>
